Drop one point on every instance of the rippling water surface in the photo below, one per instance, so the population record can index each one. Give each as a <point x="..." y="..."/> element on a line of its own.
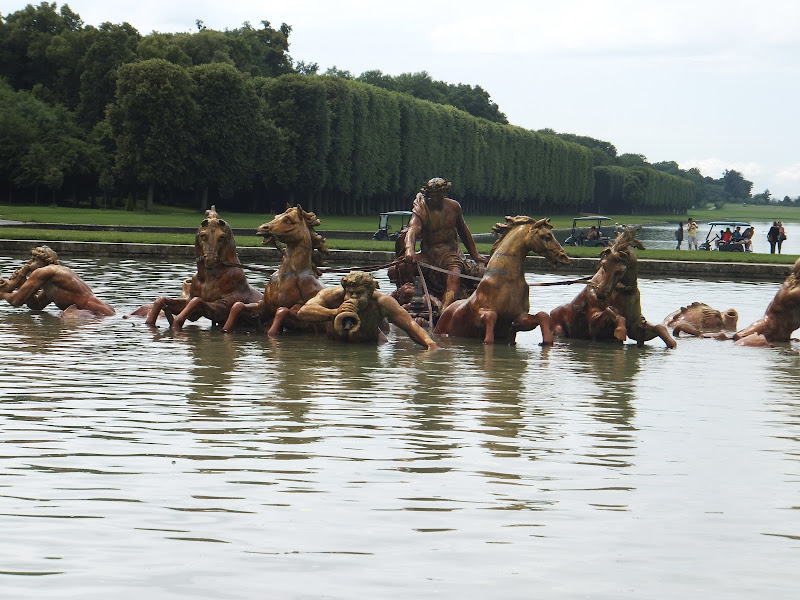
<point x="136" y="461"/>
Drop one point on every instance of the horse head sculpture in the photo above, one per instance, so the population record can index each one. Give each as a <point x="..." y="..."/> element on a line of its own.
<point x="618" y="266"/>
<point x="297" y="279"/>
<point x="610" y="305"/>
<point x="295" y="228"/>
<point x="218" y="283"/>
<point x="214" y="244"/>
<point x="530" y="236"/>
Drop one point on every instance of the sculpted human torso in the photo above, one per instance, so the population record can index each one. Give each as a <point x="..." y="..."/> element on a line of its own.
<point x="54" y="286"/>
<point x="781" y="318"/>
<point x="42" y="280"/>
<point x="437" y="222"/>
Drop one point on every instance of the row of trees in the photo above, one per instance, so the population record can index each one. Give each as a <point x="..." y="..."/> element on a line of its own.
<point x="471" y="99"/>
<point x="635" y="190"/>
<point x="90" y="113"/>
<point x="335" y="145"/>
<point x="731" y="187"/>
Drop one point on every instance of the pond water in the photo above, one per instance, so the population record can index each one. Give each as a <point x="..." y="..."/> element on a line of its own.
<point x="663" y="236"/>
<point x="138" y="461"/>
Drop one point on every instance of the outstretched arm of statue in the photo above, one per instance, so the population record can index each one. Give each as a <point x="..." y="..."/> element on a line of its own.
<point x="756" y="327"/>
<point x="319" y="307"/>
<point x="17" y="279"/>
<point x="466" y="237"/>
<point x="29" y="293"/>
<point x="414" y="230"/>
<point x="399" y="316"/>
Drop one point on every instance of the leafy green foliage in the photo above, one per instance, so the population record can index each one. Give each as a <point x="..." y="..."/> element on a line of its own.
<point x="230" y="114"/>
<point x="350" y="140"/>
<point x="736" y="185"/>
<point x="230" y="131"/>
<point x="638" y="190"/>
<point x="40" y="145"/>
<point x="153" y="122"/>
<point x="471" y="99"/>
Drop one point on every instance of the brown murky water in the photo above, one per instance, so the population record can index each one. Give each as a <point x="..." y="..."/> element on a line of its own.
<point x="137" y="461"/>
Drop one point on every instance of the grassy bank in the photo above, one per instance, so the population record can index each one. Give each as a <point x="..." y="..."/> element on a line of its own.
<point x="175" y="217"/>
<point x="178" y="217"/>
<point x="344" y="244"/>
<point x="749" y="212"/>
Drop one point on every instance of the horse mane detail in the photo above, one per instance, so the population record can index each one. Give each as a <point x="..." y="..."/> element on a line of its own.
<point x="627" y="238"/>
<point x="501" y="229"/>
<point x="317" y="241"/>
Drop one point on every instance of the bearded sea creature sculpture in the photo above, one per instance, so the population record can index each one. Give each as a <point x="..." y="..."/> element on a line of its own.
<point x="356" y="312"/>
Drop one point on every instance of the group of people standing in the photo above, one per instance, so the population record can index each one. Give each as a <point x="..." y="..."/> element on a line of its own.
<point x="691" y="233"/>
<point x="776" y="236"/>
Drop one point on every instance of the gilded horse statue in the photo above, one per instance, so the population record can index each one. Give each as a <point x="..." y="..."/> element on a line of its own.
<point x="296" y="280"/>
<point x="499" y="306"/>
<point x="218" y="283"/>
<point x="609" y="307"/>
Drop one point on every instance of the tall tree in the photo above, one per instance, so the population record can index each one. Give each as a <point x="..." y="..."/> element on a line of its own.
<point x="113" y="46"/>
<point x="632" y="160"/>
<point x="230" y="129"/>
<point x="604" y="153"/>
<point x="153" y="120"/>
<point x="26" y="41"/>
<point x="261" y="52"/>
<point x="40" y="145"/>
<point x="736" y="185"/>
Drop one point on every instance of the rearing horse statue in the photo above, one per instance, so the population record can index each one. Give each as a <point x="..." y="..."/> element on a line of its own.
<point x="499" y="306"/>
<point x="218" y="283"/>
<point x="610" y="305"/>
<point x="296" y="280"/>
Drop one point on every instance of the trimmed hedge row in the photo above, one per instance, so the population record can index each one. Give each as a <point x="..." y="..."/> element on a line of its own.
<point x="355" y="148"/>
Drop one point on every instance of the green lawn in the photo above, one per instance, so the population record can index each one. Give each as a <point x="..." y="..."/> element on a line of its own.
<point x="750" y="212"/>
<point x="344" y="244"/>
<point x="178" y="217"/>
<point x="175" y="217"/>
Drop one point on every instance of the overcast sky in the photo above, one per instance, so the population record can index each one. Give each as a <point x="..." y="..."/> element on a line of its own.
<point x="712" y="84"/>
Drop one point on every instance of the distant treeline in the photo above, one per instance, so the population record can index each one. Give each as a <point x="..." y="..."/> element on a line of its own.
<point x="103" y="116"/>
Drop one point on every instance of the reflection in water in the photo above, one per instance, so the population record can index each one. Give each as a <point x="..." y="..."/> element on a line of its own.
<point x="503" y="417"/>
<point x="607" y="376"/>
<point x="197" y="463"/>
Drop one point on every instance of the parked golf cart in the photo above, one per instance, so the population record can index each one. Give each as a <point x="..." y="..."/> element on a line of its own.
<point x="580" y="231"/>
<point x="387" y="231"/>
<point x="717" y="241"/>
